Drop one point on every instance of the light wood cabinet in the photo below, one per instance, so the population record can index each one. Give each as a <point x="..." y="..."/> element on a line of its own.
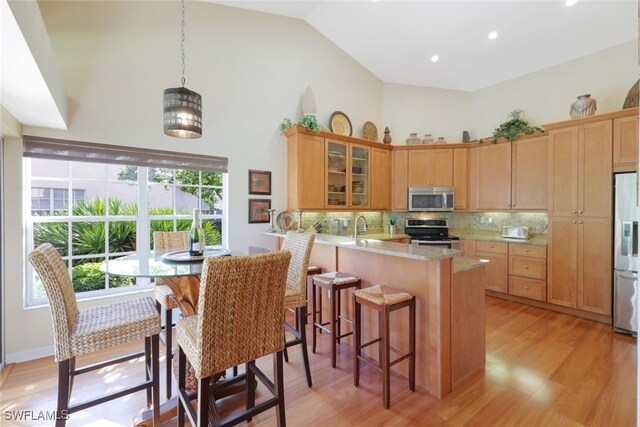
<point x="528" y="271"/>
<point x="430" y="168"/>
<point x="490" y="177"/>
<point x="497" y="271"/>
<point x="528" y="288"/>
<point x="335" y="172"/>
<point x="529" y="174"/>
<point x="461" y="178"/>
<point x="469" y="247"/>
<point x="579" y="268"/>
<point x="380" y="179"/>
<point x="305" y="184"/>
<point x="625" y="144"/>
<point x="400" y="184"/>
<point x="580" y="170"/>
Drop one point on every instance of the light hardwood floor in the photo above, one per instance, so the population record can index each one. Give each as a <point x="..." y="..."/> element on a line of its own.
<point x="543" y="369"/>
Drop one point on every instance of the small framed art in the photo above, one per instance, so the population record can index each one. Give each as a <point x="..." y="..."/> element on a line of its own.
<point x="260" y="182"/>
<point x="259" y="211"/>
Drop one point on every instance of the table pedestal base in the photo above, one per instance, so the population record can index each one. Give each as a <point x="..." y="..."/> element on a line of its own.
<point x="169" y="409"/>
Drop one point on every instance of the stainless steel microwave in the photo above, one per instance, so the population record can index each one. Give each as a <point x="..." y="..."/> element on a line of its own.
<point x="430" y="199"/>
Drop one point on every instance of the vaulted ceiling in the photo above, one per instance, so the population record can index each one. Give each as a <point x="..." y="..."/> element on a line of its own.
<point x="396" y="39"/>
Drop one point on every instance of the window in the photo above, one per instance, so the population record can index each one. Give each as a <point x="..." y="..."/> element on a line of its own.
<point x="111" y="208"/>
<point x="51" y="201"/>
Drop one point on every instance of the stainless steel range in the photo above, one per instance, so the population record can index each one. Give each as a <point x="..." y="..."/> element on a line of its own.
<point x="431" y="232"/>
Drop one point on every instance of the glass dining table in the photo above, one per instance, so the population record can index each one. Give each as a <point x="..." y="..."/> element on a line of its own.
<point x="177" y="270"/>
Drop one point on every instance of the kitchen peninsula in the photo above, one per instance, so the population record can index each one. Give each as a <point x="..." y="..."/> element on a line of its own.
<point x="450" y="324"/>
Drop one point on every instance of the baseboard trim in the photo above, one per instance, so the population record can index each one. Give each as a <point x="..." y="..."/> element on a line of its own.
<point x="553" y="307"/>
<point x="6" y="370"/>
<point x="26" y="355"/>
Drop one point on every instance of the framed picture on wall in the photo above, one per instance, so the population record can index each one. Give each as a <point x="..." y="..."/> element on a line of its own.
<point x="259" y="211"/>
<point x="260" y="182"/>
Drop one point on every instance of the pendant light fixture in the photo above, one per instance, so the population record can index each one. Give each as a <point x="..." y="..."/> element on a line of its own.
<point x="182" y="107"/>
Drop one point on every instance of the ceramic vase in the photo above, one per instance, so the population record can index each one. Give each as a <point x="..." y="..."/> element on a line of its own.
<point x="441" y="140"/>
<point x="387" y="136"/>
<point x="309" y="103"/>
<point x="427" y="139"/>
<point x="413" y="139"/>
<point x="584" y="106"/>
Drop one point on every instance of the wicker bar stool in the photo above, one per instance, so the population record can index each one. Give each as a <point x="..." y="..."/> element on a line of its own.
<point x="295" y="297"/>
<point x="165" y="300"/>
<point x="335" y="283"/>
<point x="240" y="317"/>
<point x="384" y="300"/>
<point x="77" y="332"/>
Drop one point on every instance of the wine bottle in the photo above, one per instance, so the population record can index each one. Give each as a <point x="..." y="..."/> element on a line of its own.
<point x="196" y="236"/>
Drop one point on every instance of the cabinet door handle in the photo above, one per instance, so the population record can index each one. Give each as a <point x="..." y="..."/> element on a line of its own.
<point x="579" y="222"/>
<point x="526" y="250"/>
<point x="526" y="267"/>
<point x="573" y="222"/>
<point x="491" y="246"/>
<point x="526" y="288"/>
<point x="574" y="211"/>
<point x="509" y="205"/>
<point x="579" y="212"/>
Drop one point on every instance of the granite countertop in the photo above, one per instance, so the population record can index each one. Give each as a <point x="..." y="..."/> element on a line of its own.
<point x="463" y="263"/>
<point x="375" y="243"/>
<point x="494" y="236"/>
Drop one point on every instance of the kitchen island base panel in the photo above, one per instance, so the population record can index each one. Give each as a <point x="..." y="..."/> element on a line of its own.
<point x="430" y="282"/>
<point x="429" y="275"/>
<point x="468" y="327"/>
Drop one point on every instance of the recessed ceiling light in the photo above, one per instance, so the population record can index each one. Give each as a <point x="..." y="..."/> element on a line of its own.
<point x="435" y="58"/>
<point x="492" y="35"/>
<point x="571" y="2"/>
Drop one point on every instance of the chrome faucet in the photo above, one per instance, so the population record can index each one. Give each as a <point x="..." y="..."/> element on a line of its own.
<point x="355" y="226"/>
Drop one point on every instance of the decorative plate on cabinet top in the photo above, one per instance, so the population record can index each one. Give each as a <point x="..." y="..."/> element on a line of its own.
<point x="339" y="123"/>
<point x="369" y="131"/>
<point x="285" y="221"/>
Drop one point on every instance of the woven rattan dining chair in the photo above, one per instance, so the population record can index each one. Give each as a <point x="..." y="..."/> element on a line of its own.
<point x="239" y="319"/>
<point x="165" y="299"/>
<point x="77" y="332"/>
<point x="300" y="245"/>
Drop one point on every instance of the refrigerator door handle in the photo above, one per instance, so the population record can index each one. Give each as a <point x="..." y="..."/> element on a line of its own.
<point x="628" y="276"/>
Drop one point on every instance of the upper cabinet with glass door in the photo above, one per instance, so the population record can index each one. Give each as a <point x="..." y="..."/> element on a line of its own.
<point x="359" y="176"/>
<point x="336" y="175"/>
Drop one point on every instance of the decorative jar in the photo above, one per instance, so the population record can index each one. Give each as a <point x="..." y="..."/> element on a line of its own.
<point x="413" y="139"/>
<point x="427" y="139"/>
<point x="584" y="106"/>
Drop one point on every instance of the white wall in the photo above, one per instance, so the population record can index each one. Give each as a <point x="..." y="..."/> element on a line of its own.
<point x="116" y="58"/>
<point x="440" y="112"/>
<point x="546" y="95"/>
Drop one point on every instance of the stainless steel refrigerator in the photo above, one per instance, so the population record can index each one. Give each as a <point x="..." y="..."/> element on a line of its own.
<point x="626" y="262"/>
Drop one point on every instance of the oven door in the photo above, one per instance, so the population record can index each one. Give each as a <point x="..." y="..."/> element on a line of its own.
<point x="445" y="244"/>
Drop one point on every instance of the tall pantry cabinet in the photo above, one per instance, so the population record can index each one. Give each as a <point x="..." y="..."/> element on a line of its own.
<point x="580" y="216"/>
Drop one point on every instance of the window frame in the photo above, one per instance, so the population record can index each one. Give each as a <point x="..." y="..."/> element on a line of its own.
<point x="143" y="224"/>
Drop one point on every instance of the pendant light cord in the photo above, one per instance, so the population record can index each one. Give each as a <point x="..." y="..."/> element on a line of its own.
<point x="182" y="44"/>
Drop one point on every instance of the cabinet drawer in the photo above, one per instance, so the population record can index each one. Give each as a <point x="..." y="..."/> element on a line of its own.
<point x="528" y="288"/>
<point x="493" y="247"/>
<point x="528" y="250"/>
<point x="533" y="268"/>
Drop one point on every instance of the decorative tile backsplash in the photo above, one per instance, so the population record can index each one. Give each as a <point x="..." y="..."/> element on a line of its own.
<point x="341" y="223"/>
<point x="488" y="221"/>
